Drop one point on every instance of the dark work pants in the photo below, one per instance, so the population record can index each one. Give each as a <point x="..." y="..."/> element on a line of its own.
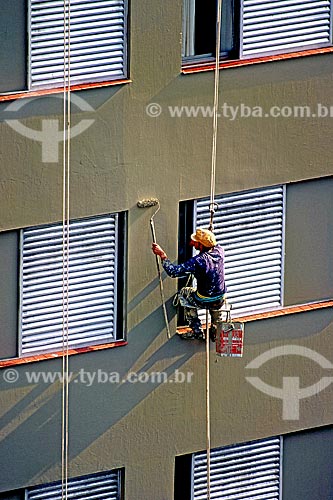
<point x="189" y="300"/>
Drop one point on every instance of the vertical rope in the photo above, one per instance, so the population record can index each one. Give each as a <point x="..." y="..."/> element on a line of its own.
<point x="65" y="254"/>
<point x="211" y="226"/>
<point x="215" y="114"/>
<point x="207" y="406"/>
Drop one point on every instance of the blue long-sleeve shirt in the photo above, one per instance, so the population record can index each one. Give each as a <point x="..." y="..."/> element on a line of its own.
<point x="208" y="269"/>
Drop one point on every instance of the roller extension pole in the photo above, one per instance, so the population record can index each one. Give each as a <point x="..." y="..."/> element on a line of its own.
<point x="152" y="202"/>
<point x="153" y="233"/>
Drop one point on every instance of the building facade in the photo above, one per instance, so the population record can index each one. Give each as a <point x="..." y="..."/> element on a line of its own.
<point x="141" y="120"/>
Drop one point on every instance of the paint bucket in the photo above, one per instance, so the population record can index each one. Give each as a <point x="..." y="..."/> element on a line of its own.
<point x="229" y="339"/>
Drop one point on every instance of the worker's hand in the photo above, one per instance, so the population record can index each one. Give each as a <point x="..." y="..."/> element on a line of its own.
<point x="159" y="251"/>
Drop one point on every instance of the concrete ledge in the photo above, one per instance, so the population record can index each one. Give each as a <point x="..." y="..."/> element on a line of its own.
<point x="23" y="94"/>
<point x="53" y="355"/>
<point x="245" y="319"/>
<point x="199" y="67"/>
<point x="275" y="313"/>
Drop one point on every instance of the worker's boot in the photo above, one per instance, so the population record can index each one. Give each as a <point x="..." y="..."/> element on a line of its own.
<point x="216" y="317"/>
<point x="191" y="315"/>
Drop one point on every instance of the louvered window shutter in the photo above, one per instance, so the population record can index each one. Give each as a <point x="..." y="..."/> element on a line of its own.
<point x="97" y="41"/>
<point x="250" y="471"/>
<point x="92" y="284"/>
<point x="275" y="26"/>
<point x="104" y="486"/>
<point x="250" y="227"/>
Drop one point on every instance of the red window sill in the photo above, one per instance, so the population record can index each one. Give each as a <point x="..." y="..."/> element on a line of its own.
<point x="200" y="67"/>
<point x="254" y="317"/>
<point x="52" y="355"/>
<point x="287" y="310"/>
<point x="37" y="93"/>
<point x="278" y="312"/>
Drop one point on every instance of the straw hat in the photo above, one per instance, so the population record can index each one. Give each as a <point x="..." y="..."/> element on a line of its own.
<point x="205" y="237"/>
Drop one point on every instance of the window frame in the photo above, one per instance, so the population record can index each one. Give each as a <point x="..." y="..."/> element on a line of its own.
<point x="30" y="91"/>
<point x="41" y="86"/>
<point x="236" y="58"/>
<point x="224" y="55"/>
<point x="188" y="221"/>
<point x="278" y="441"/>
<point x="120" y="284"/>
<point x="120" y="473"/>
<point x="185" y="465"/>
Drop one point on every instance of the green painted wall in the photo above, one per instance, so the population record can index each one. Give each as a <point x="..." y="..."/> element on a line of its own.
<point x="125" y="156"/>
<point x="144" y="426"/>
